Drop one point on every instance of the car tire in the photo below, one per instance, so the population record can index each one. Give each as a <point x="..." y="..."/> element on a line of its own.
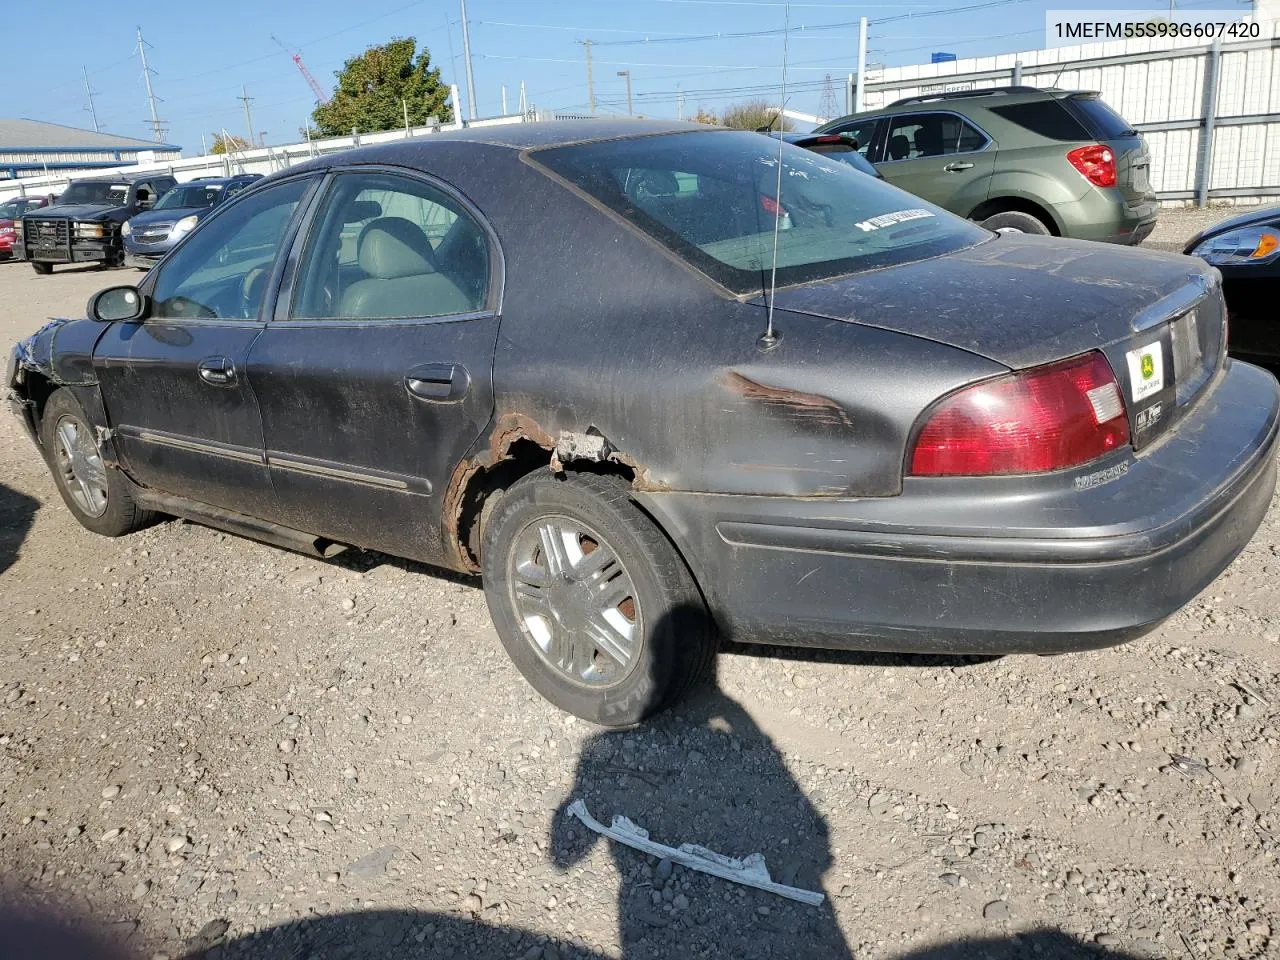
<point x="1015" y="221"/>
<point x="556" y="617"/>
<point x="98" y="496"/>
<point x="44" y="269"/>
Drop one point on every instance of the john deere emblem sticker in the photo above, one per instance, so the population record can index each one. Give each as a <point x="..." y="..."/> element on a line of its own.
<point x="1146" y="371"/>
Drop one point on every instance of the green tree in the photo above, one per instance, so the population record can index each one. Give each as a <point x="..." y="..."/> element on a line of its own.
<point x="706" y="116"/>
<point x="752" y="115"/>
<point x="374" y="87"/>
<point x="228" y="143"/>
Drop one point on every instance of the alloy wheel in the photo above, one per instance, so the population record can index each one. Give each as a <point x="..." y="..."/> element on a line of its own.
<point x="80" y="463"/>
<point x="575" y="601"/>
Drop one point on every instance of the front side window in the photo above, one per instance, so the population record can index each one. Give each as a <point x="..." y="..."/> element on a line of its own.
<point x="221" y="270"/>
<point x="391" y="247"/>
<point x="864" y="131"/>
<point x="832" y="220"/>
<point x="931" y="135"/>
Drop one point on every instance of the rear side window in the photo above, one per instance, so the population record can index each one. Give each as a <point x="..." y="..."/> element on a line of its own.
<point x="1102" y="122"/>
<point x="1045" y="118"/>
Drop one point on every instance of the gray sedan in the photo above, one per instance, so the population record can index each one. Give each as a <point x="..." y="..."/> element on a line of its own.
<point x="659" y="383"/>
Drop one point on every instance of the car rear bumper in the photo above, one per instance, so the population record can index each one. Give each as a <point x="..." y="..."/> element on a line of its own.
<point x="1069" y="561"/>
<point x="1105" y="215"/>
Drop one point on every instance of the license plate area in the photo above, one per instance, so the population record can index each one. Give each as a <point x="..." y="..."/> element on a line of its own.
<point x="1148" y="374"/>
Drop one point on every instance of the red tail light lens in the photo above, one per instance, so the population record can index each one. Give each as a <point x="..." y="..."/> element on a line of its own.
<point x="1049" y="418"/>
<point x="1097" y="162"/>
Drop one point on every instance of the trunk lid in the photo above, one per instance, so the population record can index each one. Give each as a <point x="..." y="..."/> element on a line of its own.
<point x="1026" y="301"/>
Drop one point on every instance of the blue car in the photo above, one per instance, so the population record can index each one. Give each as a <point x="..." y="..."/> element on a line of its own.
<point x="150" y="235"/>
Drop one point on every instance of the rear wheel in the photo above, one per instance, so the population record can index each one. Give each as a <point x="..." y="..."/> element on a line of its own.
<point x="98" y="497"/>
<point x="591" y="601"/>
<point x="1015" y="221"/>
<point x="44" y="269"/>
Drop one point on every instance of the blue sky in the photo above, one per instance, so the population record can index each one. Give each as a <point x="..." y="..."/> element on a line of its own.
<point x="203" y="56"/>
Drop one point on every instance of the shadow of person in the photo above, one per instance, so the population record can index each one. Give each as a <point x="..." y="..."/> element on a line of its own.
<point x="17" y="511"/>
<point x="1041" y="944"/>
<point x="703" y="773"/>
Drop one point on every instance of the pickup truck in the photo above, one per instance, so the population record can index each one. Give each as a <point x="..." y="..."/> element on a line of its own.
<point x="84" y="226"/>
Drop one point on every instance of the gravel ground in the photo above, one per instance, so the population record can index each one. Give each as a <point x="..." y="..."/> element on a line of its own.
<point x="213" y="745"/>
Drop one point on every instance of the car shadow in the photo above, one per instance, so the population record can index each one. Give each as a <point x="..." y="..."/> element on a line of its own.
<point x="17" y="513"/>
<point x="426" y="935"/>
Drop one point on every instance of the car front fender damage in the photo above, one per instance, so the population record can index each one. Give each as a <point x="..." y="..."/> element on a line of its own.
<point x="59" y="354"/>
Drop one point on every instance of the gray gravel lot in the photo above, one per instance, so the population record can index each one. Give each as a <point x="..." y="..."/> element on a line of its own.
<point x="210" y="744"/>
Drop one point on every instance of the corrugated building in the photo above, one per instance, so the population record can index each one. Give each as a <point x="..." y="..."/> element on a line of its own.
<point x="30" y="147"/>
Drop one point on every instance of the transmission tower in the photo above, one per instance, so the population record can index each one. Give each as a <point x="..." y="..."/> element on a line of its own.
<point x="321" y="96"/>
<point x="157" y="125"/>
<point x="827" y="109"/>
<point x="92" y="108"/>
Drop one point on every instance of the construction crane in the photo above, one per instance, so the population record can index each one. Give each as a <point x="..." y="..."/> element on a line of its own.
<point x="321" y="96"/>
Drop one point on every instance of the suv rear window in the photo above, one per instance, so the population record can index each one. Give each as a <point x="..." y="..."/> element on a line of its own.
<point x="1099" y="118"/>
<point x="710" y="198"/>
<point x="1046" y="118"/>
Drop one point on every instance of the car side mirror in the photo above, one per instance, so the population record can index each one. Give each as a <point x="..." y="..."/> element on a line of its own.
<point x="118" y="305"/>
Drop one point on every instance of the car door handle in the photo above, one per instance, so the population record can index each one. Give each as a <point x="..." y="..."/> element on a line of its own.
<point x="438" y="382"/>
<point x="958" y="166"/>
<point x="217" y="371"/>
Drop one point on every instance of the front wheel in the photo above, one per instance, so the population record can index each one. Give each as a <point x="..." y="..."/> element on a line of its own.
<point x="1015" y="221"/>
<point x="97" y="496"/>
<point x="590" y="599"/>
<point x="44" y="269"/>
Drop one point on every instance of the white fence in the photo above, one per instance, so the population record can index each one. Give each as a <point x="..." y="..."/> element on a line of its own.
<point x="1210" y="114"/>
<point x="265" y="160"/>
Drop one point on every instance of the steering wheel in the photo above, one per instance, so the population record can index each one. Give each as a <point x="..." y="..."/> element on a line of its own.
<point x="184" y="308"/>
<point x="251" y="287"/>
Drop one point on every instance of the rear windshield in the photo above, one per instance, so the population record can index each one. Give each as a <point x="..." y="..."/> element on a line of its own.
<point x="10" y="211"/>
<point x="202" y="195"/>
<point x="1104" y="122"/>
<point x="1047" y="118"/>
<point x="710" y="198"/>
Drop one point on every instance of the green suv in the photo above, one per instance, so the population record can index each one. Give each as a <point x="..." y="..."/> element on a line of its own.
<point x="1016" y="158"/>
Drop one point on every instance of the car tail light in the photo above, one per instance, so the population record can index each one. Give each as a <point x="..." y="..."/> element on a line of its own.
<point x="1047" y="418"/>
<point x="1097" y="162"/>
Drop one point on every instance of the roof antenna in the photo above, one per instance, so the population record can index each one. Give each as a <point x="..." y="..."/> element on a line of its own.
<point x="769" y="339"/>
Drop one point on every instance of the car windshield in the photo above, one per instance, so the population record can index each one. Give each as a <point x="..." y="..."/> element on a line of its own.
<point x="105" y="194"/>
<point x="190" y="195"/>
<point x="710" y="198"/>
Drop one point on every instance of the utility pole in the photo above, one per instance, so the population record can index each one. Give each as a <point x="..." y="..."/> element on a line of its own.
<point x="504" y="99"/>
<point x="627" y="74"/>
<point x="524" y="101"/>
<point x="860" y="89"/>
<point x="466" y="54"/>
<point x="591" y="90"/>
<point x="248" y="115"/>
<point x="405" y="104"/>
<point x="679" y="103"/>
<point x="157" y="125"/>
<point x="88" y="90"/>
